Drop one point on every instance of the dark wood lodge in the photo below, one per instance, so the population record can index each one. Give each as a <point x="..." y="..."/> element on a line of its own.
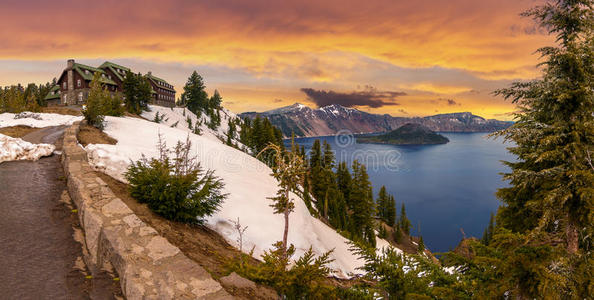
<point x="74" y="83"/>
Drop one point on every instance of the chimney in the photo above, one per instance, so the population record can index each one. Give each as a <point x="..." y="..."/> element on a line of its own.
<point x="149" y="73"/>
<point x="70" y="64"/>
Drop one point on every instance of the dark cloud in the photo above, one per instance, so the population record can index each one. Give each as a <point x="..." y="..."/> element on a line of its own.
<point x="448" y="101"/>
<point x="369" y="97"/>
<point x="277" y="100"/>
<point x="403" y="111"/>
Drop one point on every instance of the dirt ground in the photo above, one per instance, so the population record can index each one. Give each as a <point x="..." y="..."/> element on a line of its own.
<point x="199" y="243"/>
<point x="17" y="131"/>
<point x="91" y="135"/>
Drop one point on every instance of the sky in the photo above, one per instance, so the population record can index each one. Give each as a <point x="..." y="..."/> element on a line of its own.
<point x="403" y="58"/>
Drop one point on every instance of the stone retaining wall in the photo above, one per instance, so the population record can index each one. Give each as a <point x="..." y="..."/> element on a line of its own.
<point x="149" y="267"/>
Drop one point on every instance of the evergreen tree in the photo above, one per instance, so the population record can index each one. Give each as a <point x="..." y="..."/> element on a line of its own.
<point x="554" y="132"/>
<point x="194" y="96"/>
<point x="363" y="206"/>
<point x="318" y="176"/>
<point x="397" y="235"/>
<point x="306" y="195"/>
<point x="216" y="100"/>
<point x="488" y="234"/>
<point x="421" y="246"/>
<point x="137" y="92"/>
<point x="289" y="170"/>
<point x="231" y="132"/>
<point x="404" y="223"/>
<point x="101" y="103"/>
<point x="344" y="182"/>
<point x="386" y="209"/>
<point x="391" y="211"/>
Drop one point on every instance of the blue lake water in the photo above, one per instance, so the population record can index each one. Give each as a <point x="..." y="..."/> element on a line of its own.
<point x="444" y="187"/>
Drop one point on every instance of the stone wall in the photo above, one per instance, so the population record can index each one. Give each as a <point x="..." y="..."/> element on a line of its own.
<point x="149" y="267"/>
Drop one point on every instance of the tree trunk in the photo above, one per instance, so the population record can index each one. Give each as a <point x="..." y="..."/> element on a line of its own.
<point x="571" y="236"/>
<point x="286" y="232"/>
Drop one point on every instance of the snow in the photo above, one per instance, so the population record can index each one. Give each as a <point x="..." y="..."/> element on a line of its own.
<point x="17" y="149"/>
<point x="45" y="120"/>
<point x="247" y="181"/>
<point x="178" y="116"/>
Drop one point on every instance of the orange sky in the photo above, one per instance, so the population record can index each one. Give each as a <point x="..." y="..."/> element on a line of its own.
<point x="437" y="56"/>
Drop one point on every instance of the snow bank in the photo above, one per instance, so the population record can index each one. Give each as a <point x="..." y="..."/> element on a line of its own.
<point x="17" y="149"/>
<point x="42" y="120"/>
<point x="247" y="181"/>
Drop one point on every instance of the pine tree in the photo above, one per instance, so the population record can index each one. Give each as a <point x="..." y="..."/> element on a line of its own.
<point x="289" y="170"/>
<point x="137" y="92"/>
<point x="344" y="182"/>
<point x="306" y="195"/>
<point x="317" y="175"/>
<point x="194" y="96"/>
<point x="216" y="100"/>
<point x="488" y="234"/>
<point x="421" y="246"/>
<point x="391" y="211"/>
<point x="363" y="206"/>
<point x="93" y="110"/>
<point x="552" y="180"/>
<point x="382" y="204"/>
<point x="397" y="234"/>
<point x="231" y="132"/>
<point x="404" y="223"/>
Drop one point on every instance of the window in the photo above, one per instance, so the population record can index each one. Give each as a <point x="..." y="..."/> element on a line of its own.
<point x="80" y="97"/>
<point x="64" y="85"/>
<point x="78" y="83"/>
<point x="87" y="72"/>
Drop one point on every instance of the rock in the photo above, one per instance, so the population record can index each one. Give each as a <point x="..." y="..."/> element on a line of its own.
<point x="159" y="248"/>
<point x="243" y="287"/>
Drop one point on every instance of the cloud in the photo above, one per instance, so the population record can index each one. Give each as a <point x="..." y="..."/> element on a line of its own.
<point x="447" y="101"/>
<point x="403" y="111"/>
<point x="369" y="97"/>
<point x="451" y="102"/>
<point x="277" y="100"/>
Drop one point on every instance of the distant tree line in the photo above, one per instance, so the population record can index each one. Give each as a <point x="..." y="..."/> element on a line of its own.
<point x="18" y="98"/>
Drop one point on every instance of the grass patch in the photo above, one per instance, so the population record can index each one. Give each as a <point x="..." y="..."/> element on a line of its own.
<point x="61" y="110"/>
<point x="91" y="135"/>
<point x="17" y="131"/>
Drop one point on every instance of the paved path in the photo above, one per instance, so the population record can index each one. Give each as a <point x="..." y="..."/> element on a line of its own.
<point x="39" y="257"/>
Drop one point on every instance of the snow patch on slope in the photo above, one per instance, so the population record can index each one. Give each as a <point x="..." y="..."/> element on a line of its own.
<point x="247" y="181"/>
<point x="42" y="120"/>
<point x="178" y="116"/>
<point x="17" y="149"/>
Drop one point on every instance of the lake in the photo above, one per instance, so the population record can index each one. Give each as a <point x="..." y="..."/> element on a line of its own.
<point x="445" y="188"/>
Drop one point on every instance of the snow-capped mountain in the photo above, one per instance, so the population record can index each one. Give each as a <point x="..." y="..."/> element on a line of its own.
<point x="328" y="120"/>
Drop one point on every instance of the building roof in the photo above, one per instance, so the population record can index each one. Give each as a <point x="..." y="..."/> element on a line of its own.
<point x="54" y="93"/>
<point x="87" y="73"/>
<point x="160" y="82"/>
<point x="115" y="69"/>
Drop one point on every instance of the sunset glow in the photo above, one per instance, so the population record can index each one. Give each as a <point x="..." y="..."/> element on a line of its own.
<point x="436" y="56"/>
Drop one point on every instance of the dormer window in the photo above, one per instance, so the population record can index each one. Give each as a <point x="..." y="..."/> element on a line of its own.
<point x="87" y="72"/>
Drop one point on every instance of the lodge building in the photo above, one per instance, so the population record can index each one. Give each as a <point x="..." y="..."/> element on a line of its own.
<point x="73" y="85"/>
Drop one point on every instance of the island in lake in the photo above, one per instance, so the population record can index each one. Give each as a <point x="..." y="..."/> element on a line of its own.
<point x="407" y="134"/>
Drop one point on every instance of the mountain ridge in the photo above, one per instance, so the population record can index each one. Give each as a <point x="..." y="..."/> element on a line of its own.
<point x="328" y="120"/>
